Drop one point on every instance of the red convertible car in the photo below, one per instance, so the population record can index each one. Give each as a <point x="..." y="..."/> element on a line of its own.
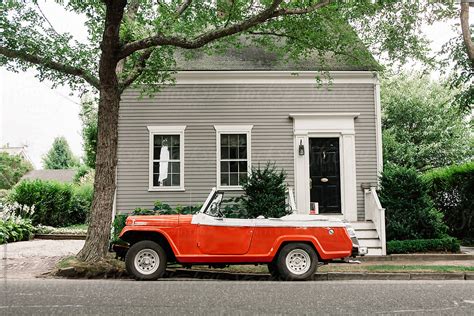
<point x="291" y="246"/>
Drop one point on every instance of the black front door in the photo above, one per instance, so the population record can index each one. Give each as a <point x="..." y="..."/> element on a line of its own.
<point x="324" y="170"/>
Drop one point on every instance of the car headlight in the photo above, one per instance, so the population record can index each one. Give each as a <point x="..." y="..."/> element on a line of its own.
<point x="351" y="231"/>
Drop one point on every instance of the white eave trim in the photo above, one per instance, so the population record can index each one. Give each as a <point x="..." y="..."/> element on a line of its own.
<point x="274" y="77"/>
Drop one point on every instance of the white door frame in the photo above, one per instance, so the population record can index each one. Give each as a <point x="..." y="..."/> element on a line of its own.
<point x="340" y="125"/>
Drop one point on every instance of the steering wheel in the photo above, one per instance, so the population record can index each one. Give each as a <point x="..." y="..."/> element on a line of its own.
<point x="214" y="208"/>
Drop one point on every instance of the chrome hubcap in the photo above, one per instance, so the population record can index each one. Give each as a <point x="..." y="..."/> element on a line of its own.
<point x="298" y="261"/>
<point x="147" y="261"/>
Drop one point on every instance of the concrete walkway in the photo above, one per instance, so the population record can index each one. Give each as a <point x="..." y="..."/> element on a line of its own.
<point x="29" y="259"/>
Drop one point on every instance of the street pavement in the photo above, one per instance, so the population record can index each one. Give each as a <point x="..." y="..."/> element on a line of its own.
<point x="120" y="297"/>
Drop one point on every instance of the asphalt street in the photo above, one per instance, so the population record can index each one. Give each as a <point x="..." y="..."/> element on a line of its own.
<point x="119" y="297"/>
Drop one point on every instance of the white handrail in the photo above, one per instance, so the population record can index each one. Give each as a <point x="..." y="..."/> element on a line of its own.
<point x="376" y="213"/>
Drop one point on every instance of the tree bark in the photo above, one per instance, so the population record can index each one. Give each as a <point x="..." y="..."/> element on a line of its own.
<point x="466" y="32"/>
<point x="98" y="234"/>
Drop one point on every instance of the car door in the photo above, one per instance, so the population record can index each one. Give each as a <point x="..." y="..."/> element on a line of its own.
<point x="224" y="236"/>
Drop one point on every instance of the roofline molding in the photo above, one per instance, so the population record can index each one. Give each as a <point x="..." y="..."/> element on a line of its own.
<point x="273" y="77"/>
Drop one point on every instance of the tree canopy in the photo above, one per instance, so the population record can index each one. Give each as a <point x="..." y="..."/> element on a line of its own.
<point x="422" y="127"/>
<point x="12" y="168"/>
<point x="89" y="131"/>
<point x="60" y="156"/>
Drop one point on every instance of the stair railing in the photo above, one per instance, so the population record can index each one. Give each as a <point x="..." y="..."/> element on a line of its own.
<point x="376" y="213"/>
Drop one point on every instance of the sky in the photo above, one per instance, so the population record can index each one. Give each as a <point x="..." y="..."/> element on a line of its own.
<point x="33" y="114"/>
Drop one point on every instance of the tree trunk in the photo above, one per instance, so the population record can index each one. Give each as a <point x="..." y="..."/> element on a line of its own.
<point x="466" y="31"/>
<point x="98" y="234"/>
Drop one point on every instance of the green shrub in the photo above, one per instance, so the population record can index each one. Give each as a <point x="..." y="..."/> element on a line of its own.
<point x="117" y="226"/>
<point x="410" y="213"/>
<point x="448" y="244"/>
<point x="452" y="191"/>
<point x="56" y="204"/>
<point x="265" y="192"/>
<point x="13" y="228"/>
<point x="143" y="211"/>
<point x="81" y="171"/>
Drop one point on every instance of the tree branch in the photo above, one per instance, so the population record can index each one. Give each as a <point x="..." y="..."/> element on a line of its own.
<point x="137" y="70"/>
<point x="183" y="7"/>
<point x="203" y="39"/>
<point x="466" y="31"/>
<point x="53" y="65"/>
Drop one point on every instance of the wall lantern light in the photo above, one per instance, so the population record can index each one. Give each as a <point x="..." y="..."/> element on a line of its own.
<point x="301" y="148"/>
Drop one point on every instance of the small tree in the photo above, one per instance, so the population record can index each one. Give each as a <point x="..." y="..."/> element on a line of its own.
<point x="265" y="192"/>
<point x="60" y="156"/>
<point x="410" y="213"/>
<point x="12" y="168"/>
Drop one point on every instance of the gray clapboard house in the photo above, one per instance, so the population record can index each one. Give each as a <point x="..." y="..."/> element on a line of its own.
<point x="230" y="112"/>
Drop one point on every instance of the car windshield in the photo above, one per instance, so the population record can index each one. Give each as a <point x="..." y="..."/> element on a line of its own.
<point x="214" y="206"/>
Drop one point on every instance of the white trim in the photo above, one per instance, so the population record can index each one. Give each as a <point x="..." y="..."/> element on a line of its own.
<point x="232" y="129"/>
<point x="166" y="130"/>
<point x="340" y="125"/>
<point x="378" y="127"/>
<point x="286" y="221"/>
<point x="273" y="77"/>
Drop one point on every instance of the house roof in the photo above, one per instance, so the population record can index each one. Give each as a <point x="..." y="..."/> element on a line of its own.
<point x="61" y="175"/>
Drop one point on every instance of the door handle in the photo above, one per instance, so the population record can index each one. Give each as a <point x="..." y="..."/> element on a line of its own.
<point x="324" y="180"/>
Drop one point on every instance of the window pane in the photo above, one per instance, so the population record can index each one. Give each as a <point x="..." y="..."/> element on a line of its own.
<point x="156" y="167"/>
<point x="243" y="140"/>
<point x="234" y="140"/>
<point x="224" y="140"/>
<point x="224" y="152"/>
<point x="175" y="152"/>
<point x="175" y="179"/>
<point x="175" y="167"/>
<point x="224" y="178"/>
<point x="167" y="182"/>
<point x="242" y="177"/>
<point x="242" y="166"/>
<point x="225" y="166"/>
<point x="242" y="152"/>
<point x="174" y="140"/>
<point x="234" y="179"/>
<point x="233" y="152"/>
<point x="234" y="166"/>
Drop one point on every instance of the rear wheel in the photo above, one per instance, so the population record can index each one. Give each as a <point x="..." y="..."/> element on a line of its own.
<point x="296" y="262"/>
<point x="146" y="260"/>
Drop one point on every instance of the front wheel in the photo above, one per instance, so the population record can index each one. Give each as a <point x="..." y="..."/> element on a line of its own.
<point x="146" y="260"/>
<point x="297" y="262"/>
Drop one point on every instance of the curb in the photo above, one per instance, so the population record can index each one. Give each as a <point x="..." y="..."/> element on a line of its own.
<point x="320" y="276"/>
<point x="60" y="236"/>
<point x="418" y="257"/>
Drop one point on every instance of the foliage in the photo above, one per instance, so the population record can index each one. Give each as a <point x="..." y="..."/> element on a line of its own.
<point x="12" y="168"/>
<point x="89" y="131"/>
<point x="143" y="211"/>
<point x="81" y="171"/>
<point x="265" y="192"/>
<point x="447" y="244"/>
<point x="421" y="126"/>
<point x="159" y="206"/>
<point x="452" y="190"/>
<point x="55" y="204"/>
<point x="60" y="156"/>
<point x="14" y="228"/>
<point x="117" y="225"/>
<point x="409" y="211"/>
<point x="80" y="229"/>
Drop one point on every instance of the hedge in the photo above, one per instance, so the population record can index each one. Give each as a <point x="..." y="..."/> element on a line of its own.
<point x="448" y="244"/>
<point x="409" y="210"/>
<point x="56" y="204"/>
<point x="452" y="191"/>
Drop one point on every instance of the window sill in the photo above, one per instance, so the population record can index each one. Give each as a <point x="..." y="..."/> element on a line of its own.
<point x="229" y="188"/>
<point x="166" y="189"/>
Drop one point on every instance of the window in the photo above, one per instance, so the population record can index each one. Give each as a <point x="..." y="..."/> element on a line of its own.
<point x="233" y="155"/>
<point x="166" y="158"/>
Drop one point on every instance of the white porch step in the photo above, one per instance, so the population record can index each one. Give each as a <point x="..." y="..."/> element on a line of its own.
<point x="370" y="243"/>
<point x="374" y="252"/>
<point x="367" y="234"/>
<point x="362" y="225"/>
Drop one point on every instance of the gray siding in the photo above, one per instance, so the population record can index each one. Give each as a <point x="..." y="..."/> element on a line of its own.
<point x="200" y="107"/>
